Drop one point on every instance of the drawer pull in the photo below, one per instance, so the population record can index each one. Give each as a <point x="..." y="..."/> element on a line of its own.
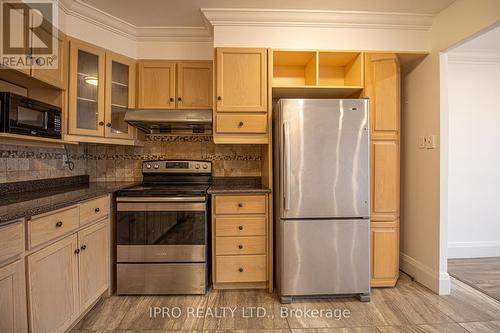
<point x="240" y="227"/>
<point x="97" y="210"/>
<point x="240" y="124"/>
<point x="240" y="205"/>
<point x="59" y="224"/>
<point x="101" y="123"/>
<point x="83" y="247"/>
<point x="240" y="270"/>
<point x="77" y="251"/>
<point x="171" y="99"/>
<point x="240" y="246"/>
<point x="219" y="98"/>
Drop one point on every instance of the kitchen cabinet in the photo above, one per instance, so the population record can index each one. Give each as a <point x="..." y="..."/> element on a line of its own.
<point x="240" y="241"/>
<point x="86" y="89"/>
<point x="240" y="115"/>
<point x="13" y="310"/>
<point x="156" y="84"/>
<point x="53" y="286"/>
<point x="241" y="80"/>
<point x="382" y="86"/>
<point x="175" y="85"/>
<point x="194" y="85"/>
<point x="119" y="95"/>
<point x="58" y="76"/>
<point x="101" y="89"/>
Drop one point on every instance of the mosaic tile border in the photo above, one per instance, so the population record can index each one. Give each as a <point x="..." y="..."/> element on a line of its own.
<point x="176" y="138"/>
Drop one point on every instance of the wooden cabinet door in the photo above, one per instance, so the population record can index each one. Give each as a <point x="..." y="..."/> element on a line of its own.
<point x="53" y="286"/>
<point x="385" y="255"/>
<point x="86" y="89"/>
<point x="156" y="84"/>
<point x="119" y="95"/>
<point x="385" y="180"/>
<point x="13" y="311"/>
<point x="94" y="262"/>
<point x="58" y="76"/>
<point x="382" y="85"/>
<point x="194" y="85"/>
<point x="241" y="80"/>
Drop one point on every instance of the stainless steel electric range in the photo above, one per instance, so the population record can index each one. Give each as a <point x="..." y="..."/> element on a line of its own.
<point x="162" y="230"/>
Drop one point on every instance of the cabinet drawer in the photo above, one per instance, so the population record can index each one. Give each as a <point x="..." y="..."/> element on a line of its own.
<point x="94" y="209"/>
<point x="250" y="268"/>
<point x="51" y="226"/>
<point x="240" y="245"/>
<point x="244" y="123"/>
<point x="240" y="226"/>
<point x="11" y="241"/>
<point x="240" y="204"/>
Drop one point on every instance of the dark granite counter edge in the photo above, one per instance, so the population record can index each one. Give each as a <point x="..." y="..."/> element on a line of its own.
<point x="223" y="185"/>
<point x="36" y="210"/>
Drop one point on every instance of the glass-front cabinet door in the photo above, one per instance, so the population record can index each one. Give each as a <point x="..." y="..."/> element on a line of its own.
<point x="120" y="88"/>
<point x="86" y="89"/>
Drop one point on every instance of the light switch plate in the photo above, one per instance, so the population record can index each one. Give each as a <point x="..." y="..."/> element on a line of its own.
<point x="421" y="142"/>
<point x="430" y="141"/>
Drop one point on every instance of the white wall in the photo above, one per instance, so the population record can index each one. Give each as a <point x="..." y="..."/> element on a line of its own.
<point x="473" y="157"/>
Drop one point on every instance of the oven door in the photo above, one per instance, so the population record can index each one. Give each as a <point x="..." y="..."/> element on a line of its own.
<point x="161" y="229"/>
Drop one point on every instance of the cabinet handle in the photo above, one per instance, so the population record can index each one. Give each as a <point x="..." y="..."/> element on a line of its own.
<point x="59" y="224"/>
<point x="240" y="270"/>
<point x="240" y="246"/>
<point x="219" y="98"/>
<point x="101" y="123"/>
<point x="97" y="210"/>
<point x="77" y="251"/>
<point x="179" y="99"/>
<point x="240" y="227"/>
<point x="171" y="99"/>
<point x="240" y="205"/>
<point x="240" y="124"/>
<point x="83" y="247"/>
<point x="108" y="124"/>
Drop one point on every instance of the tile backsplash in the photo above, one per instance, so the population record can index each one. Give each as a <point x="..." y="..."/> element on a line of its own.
<point x="122" y="163"/>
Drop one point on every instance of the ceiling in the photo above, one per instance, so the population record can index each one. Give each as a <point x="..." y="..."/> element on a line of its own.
<point x="186" y="13"/>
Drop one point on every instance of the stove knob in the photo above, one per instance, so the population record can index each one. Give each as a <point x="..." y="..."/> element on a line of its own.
<point x="197" y="166"/>
<point x="148" y="166"/>
<point x="156" y="166"/>
<point x="205" y="166"/>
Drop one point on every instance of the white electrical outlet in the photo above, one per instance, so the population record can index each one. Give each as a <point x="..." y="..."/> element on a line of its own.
<point x="65" y="159"/>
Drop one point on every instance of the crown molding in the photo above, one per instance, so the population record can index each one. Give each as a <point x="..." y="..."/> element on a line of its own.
<point x="317" y="18"/>
<point x="95" y="16"/>
<point x="475" y="56"/>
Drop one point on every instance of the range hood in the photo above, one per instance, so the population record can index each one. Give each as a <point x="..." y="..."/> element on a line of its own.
<point x="167" y="121"/>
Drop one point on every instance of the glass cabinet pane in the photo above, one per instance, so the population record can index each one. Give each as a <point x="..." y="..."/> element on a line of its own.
<point x="119" y="97"/>
<point x="87" y="90"/>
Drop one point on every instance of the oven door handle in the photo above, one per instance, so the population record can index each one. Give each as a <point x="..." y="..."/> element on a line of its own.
<point x="161" y="207"/>
<point x="161" y="199"/>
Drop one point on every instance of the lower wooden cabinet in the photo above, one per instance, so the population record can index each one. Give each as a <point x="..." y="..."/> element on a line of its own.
<point x="240" y="241"/>
<point x="67" y="277"/>
<point x="13" y="298"/>
<point x="385" y="254"/>
<point x="53" y="286"/>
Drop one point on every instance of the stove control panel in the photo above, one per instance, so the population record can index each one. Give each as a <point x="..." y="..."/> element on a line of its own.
<point x="177" y="167"/>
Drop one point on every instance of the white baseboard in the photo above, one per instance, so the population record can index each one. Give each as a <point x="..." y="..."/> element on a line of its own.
<point x="473" y="249"/>
<point x="437" y="282"/>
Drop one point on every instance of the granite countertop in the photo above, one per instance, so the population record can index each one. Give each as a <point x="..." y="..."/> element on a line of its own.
<point x="228" y="185"/>
<point x="19" y="204"/>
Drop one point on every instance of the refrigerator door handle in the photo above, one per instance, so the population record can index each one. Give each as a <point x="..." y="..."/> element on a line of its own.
<point x="286" y="173"/>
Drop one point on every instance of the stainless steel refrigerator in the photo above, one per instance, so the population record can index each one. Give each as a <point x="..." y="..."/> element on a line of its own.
<point x="322" y="198"/>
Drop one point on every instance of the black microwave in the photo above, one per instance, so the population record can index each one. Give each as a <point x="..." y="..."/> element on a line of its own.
<point x="26" y="116"/>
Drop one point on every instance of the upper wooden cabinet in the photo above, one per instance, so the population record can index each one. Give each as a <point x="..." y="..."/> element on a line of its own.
<point x="156" y="84"/>
<point x="119" y="95"/>
<point x="241" y="80"/>
<point x="57" y="77"/>
<point x="175" y="85"/>
<point x="194" y="85"/>
<point x="101" y="89"/>
<point x="382" y="85"/>
<point x="86" y="89"/>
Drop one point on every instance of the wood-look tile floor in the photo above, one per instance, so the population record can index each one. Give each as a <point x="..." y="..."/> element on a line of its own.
<point x="409" y="307"/>
<point x="480" y="273"/>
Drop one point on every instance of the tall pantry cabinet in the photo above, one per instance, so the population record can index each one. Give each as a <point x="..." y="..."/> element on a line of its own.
<point x="382" y="86"/>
